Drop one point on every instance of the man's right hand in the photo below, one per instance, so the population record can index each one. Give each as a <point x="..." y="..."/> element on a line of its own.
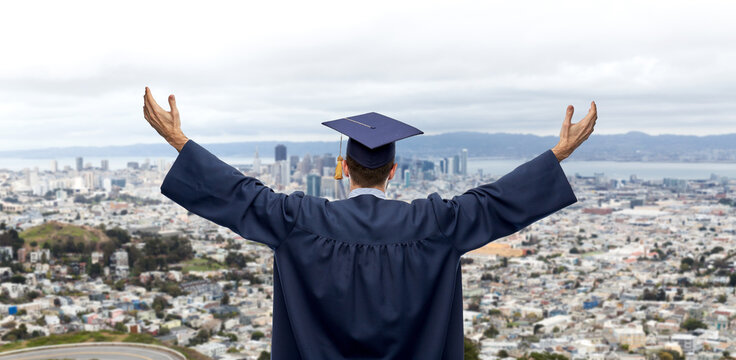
<point x="572" y="135"/>
<point x="166" y="123"/>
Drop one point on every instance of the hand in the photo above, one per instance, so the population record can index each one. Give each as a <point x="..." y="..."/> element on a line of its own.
<point x="572" y="135"/>
<point x="166" y="123"/>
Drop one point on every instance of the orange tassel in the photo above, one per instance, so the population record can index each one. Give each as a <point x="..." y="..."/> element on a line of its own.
<point x="338" y="169"/>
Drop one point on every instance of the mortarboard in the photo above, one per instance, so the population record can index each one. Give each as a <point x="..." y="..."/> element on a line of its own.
<point x="372" y="137"/>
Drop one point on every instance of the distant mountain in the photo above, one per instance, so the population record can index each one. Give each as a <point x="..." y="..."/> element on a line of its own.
<point x="632" y="146"/>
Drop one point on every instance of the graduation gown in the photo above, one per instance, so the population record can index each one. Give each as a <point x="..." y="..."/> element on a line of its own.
<point x="366" y="278"/>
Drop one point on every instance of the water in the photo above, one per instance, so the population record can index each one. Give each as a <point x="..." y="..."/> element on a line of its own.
<point x="611" y="169"/>
<point x="617" y="169"/>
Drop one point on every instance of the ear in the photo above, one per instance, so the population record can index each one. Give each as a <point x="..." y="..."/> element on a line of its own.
<point x="393" y="171"/>
<point x="345" y="170"/>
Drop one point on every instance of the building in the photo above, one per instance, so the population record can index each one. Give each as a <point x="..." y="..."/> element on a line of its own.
<point x="104" y="165"/>
<point x="119" y="263"/>
<point x="686" y="342"/>
<point x="54" y="166"/>
<point x="293" y="162"/>
<point x="280" y="172"/>
<point x="464" y="162"/>
<point x="80" y="163"/>
<point x="407" y="178"/>
<point x="256" y="163"/>
<point x="96" y="257"/>
<point x="6" y="253"/>
<point x="280" y="154"/>
<point x="314" y="183"/>
<point x="21" y="255"/>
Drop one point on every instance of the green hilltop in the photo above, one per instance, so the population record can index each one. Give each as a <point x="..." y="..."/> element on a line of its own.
<point x="55" y="232"/>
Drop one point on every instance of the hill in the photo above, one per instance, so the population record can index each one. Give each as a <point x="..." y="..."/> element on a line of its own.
<point x="55" y="232"/>
<point x="632" y="146"/>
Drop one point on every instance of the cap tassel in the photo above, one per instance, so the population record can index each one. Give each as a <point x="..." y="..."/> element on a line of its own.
<point x="338" y="168"/>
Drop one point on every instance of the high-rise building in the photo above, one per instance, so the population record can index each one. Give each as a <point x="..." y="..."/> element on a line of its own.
<point x="407" y="178"/>
<point x="456" y="164"/>
<point x="305" y="166"/>
<point x="328" y="189"/>
<point x="293" y="162"/>
<point x="80" y="163"/>
<point x="464" y="162"/>
<point x="54" y="166"/>
<point x="280" y="153"/>
<point x="313" y="184"/>
<point x="256" y="163"/>
<point x="104" y="165"/>
<point x="280" y="173"/>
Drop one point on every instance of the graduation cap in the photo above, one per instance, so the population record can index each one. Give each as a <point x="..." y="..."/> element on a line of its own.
<point x="372" y="138"/>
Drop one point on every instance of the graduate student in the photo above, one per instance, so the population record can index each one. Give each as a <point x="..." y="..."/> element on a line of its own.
<point x="366" y="277"/>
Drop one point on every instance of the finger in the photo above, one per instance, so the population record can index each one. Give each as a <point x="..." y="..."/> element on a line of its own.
<point x="172" y="104"/>
<point x="151" y="101"/>
<point x="568" y="115"/>
<point x="567" y="122"/>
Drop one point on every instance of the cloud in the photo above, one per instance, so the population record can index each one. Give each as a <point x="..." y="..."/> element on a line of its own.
<point x="74" y="73"/>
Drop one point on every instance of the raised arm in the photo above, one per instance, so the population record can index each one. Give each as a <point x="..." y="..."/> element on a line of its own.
<point x="528" y="193"/>
<point x="214" y="190"/>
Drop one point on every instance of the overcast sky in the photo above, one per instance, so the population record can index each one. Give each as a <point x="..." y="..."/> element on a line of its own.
<point x="73" y="73"/>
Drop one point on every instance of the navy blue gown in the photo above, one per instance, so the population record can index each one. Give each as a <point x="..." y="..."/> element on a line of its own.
<point x="366" y="278"/>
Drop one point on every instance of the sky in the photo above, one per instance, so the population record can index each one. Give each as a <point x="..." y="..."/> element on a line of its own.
<point x="73" y="73"/>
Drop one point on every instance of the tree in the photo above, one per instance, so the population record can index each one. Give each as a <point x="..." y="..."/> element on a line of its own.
<point x="491" y="332"/>
<point x="722" y="298"/>
<point x="225" y="299"/>
<point x="202" y="337"/>
<point x="472" y="351"/>
<point x="502" y="354"/>
<point x="257" y="335"/>
<point x="95" y="270"/>
<point x="119" y="326"/>
<point x="264" y="356"/>
<point x="692" y="323"/>
<point x="159" y="305"/>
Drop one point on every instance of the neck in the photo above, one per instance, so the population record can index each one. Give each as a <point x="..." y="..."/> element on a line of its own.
<point x="354" y="186"/>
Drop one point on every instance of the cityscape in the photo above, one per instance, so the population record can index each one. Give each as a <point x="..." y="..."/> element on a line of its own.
<point x="636" y="269"/>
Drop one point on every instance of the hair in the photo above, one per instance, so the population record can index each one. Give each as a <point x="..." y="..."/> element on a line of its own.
<point x="366" y="177"/>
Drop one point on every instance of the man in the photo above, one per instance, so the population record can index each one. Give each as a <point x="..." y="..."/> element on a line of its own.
<point x="366" y="277"/>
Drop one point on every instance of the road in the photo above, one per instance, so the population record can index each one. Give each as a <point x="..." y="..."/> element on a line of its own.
<point x="86" y="352"/>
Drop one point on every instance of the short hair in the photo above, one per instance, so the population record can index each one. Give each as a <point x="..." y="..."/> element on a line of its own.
<point x="366" y="177"/>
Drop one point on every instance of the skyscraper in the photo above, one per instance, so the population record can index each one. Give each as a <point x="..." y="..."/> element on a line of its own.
<point x="257" y="163"/>
<point x="313" y="184"/>
<point x="280" y="153"/>
<point x="456" y="164"/>
<point x="54" y="166"/>
<point x="293" y="162"/>
<point x="407" y="178"/>
<point x="80" y="163"/>
<point x="464" y="162"/>
<point x="104" y="165"/>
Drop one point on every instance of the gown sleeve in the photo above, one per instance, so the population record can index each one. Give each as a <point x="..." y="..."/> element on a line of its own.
<point x="530" y="192"/>
<point x="214" y="190"/>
